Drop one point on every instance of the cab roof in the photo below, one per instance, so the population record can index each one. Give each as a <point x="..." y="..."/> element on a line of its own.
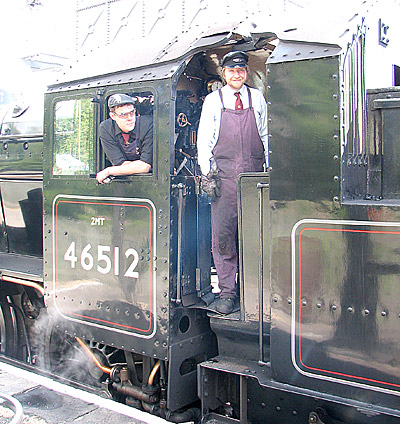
<point x="157" y="57"/>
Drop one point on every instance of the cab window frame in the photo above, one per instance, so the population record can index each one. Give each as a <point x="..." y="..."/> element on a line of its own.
<point x="102" y="161"/>
<point x="91" y="140"/>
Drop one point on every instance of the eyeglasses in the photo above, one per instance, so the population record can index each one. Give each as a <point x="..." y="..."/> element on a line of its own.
<point x="125" y="115"/>
<point x="232" y="71"/>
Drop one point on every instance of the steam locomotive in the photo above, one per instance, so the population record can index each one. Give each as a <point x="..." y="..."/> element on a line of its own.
<point x="111" y="284"/>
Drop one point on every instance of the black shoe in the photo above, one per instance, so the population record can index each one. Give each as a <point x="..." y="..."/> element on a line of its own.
<point x="225" y="305"/>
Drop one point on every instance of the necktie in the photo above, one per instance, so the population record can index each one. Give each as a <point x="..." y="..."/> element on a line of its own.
<point x="238" y="103"/>
<point x="126" y="137"/>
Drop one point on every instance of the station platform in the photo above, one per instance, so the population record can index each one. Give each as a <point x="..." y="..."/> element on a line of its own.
<point x="29" y="398"/>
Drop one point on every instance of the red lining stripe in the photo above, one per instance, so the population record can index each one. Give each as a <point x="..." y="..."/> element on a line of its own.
<point x="150" y="253"/>
<point x="300" y="278"/>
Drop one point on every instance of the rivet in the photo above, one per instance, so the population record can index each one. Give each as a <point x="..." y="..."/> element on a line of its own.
<point x="278" y="408"/>
<point x="319" y="304"/>
<point x="336" y="199"/>
<point x="366" y="311"/>
<point x="334" y="307"/>
<point x="304" y="302"/>
<point x="289" y="301"/>
<point x="275" y="299"/>
<point x="350" y="309"/>
<point x="383" y="313"/>
<point x="335" y="178"/>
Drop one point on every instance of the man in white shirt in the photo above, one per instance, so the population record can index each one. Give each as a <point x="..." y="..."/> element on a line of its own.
<point x="232" y="138"/>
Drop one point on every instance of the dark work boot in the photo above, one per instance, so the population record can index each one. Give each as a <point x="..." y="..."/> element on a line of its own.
<point x="225" y="305"/>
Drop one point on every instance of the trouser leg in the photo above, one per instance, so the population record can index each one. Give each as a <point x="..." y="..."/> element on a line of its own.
<point x="224" y="229"/>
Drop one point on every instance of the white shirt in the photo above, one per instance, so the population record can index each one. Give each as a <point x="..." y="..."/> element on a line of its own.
<point x="210" y="120"/>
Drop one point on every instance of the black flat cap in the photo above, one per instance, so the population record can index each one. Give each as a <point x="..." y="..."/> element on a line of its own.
<point x="119" y="100"/>
<point x="235" y="60"/>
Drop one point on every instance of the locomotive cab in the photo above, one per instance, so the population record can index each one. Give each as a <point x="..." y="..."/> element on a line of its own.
<point x="252" y="316"/>
<point x="128" y="264"/>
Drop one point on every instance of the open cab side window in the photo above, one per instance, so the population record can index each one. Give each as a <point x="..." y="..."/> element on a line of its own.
<point x="144" y="105"/>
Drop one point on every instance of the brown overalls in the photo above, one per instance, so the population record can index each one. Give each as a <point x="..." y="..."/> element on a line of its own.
<point x="239" y="149"/>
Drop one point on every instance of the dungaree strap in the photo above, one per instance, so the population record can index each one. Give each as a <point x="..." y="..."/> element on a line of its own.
<point x="250" y="102"/>
<point x="222" y="100"/>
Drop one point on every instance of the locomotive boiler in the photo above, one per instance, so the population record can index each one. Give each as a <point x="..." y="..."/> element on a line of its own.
<point x="110" y="284"/>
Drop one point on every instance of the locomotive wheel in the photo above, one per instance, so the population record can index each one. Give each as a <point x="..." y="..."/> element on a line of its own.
<point x="64" y="357"/>
<point x="107" y="355"/>
<point x="8" y="328"/>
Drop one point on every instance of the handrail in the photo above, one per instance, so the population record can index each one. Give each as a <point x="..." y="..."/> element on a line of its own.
<point x="260" y="187"/>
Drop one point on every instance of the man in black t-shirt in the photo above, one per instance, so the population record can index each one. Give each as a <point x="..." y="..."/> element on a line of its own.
<point x="127" y="139"/>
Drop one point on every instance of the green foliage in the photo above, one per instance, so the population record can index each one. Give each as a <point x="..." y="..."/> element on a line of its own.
<point x="74" y="137"/>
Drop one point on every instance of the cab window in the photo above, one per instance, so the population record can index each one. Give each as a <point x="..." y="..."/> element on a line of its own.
<point x="74" y="125"/>
<point x="139" y="145"/>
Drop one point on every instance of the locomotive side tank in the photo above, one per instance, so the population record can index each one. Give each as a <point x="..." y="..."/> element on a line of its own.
<point x="121" y="293"/>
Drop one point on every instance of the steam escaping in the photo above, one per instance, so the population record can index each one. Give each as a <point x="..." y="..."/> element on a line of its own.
<point x="56" y="351"/>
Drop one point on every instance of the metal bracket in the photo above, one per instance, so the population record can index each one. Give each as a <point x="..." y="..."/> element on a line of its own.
<point x="316" y="417"/>
<point x="383" y="33"/>
<point x="313" y="418"/>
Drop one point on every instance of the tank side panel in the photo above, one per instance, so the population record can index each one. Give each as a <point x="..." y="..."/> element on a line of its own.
<point x="305" y="161"/>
